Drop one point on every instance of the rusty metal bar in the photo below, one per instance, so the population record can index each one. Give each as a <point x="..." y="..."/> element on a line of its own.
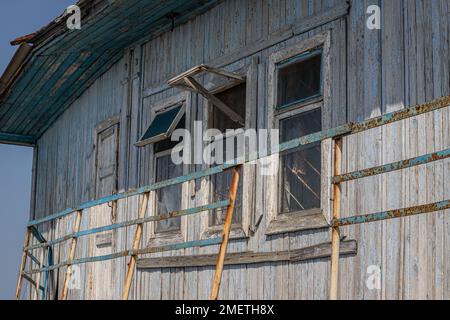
<point x="347" y="129"/>
<point x="170" y="215"/>
<point x="126" y="253"/>
<point x="401" y="114"/>
<point x="225" y="235"/>
<point x="391" y="214"/>
<point x="436" y="156"/>
<point x="135" y="192"/>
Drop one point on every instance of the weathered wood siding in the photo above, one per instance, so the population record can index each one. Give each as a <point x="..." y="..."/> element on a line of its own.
<point x="371" y="72"/>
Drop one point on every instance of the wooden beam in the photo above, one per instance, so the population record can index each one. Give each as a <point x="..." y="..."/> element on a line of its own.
<point x="17" y="139"/>
<point x="325" y="16"/>
<point x="224" y="73"/>
<point x="137" y="239"/>
<point x="215" y="101"/>
<point x="73" y="244"/>
<point x="225" y="234"/>
<point x="335" y="233"/>
<point x="318" y="251"/>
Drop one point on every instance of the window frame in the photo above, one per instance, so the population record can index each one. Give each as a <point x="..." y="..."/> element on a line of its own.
<point x="277" y="221"/>
<point x="164" y="135"/>
<point x="238" y="230"/>
<point x="156" y="239"/>
<point x="305" y="101"/>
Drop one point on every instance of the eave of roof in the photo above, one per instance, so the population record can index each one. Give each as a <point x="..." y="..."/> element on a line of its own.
<point x="64" y="63"/>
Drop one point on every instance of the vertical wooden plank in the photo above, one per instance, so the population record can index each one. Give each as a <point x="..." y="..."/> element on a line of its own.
<point x="71" y="255"/>
<point x="393" y="99"/>
<point x="335" y="234"/>
<point x="39" y="275"/>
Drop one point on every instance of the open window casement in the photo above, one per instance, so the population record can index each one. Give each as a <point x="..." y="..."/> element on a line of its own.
<point x="187" y="81"/>
<point x="162" y="126"/>
<point x="231" y="109"/>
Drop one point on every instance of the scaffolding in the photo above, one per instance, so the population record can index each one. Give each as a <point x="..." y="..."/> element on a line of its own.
<point x="336" y="134"/>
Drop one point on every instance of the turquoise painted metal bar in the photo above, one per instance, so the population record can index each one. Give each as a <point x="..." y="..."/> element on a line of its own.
<point x="177" y="246"/>
<point x="135" y="192"/>
<point x="115" y="226"/>
<point x="33" y="257"/>
<point x="401" y="114"/>
<point x="37" y="234"/>
<point x="346" y="129"/>
<point x="197" y="175"/>
<point x="391" y="214"/>
<point x="314" y="137"/>
<point x="431" y="157"/>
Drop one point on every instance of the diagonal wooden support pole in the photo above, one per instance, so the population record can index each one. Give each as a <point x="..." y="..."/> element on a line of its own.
<point x="73" y="244"/>
<point x="225" y="234"/>
<point x="335" y="233"/>
<point x="22" y="264"/>
<point x="215" y="101"/>
<point x="137" y="238"/>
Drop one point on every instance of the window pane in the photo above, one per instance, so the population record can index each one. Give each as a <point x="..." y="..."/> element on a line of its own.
<point x="168" y="144"/>
<point x="301" y="167"/>
<point x="161" y="125"/>
<point x="299" y="80"/>
<point x="234" y="98"/>
<point x="221" y="191"/>
<point x="169" y="198"/>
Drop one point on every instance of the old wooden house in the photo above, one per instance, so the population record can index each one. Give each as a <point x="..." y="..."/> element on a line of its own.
<point x="99" y="104"/>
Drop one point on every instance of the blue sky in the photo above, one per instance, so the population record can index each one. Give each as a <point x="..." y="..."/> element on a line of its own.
<point x="17" y="18"/>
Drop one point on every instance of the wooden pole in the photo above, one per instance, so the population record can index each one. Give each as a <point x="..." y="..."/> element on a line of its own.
<point x="73" y="244"/>
<point x="225" y="234"/>
<point x="137" y="237"/>
<point x="22" y="264"/>
<point x="38" y="278"/>
<point x="335" y="233"/>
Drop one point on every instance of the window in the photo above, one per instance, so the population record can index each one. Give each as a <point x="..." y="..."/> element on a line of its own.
<point x="299" y="79"/>
<point x="226" y="93"/>
<point x="162" y="126"/>
<point x="166" y="116"/>
<point x="234" y="98"/>
<point x="300" y="168"/>
<point x="167" y="199"/>
<point x="298" y="99"/>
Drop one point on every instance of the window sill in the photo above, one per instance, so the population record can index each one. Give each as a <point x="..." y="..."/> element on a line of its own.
<point x="236" y="232"/>
<point x="165" y="238"/>
<point x="297" y="221"/>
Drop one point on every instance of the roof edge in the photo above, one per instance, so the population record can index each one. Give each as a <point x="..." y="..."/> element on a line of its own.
<point x="14" y="67"/>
